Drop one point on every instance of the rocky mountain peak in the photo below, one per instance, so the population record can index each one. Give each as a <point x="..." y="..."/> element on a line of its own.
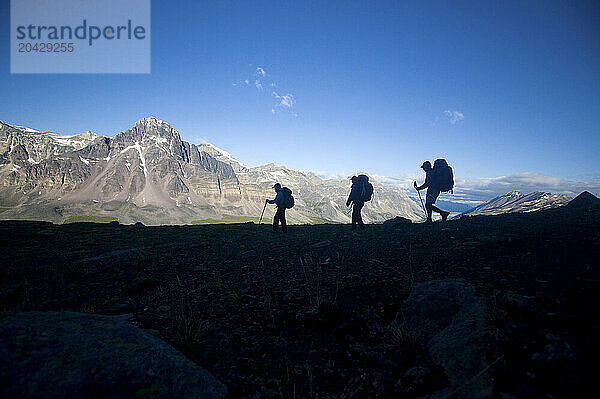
<point x="88" y="135"/>
<point x="222" y="155"/>
<point x="585" y="200"/>
<point x="152" y="127"/>
<point x="151" y="121"/>
<point x="146" y="133"/>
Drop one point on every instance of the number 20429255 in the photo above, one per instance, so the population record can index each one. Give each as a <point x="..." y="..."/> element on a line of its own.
<point x="46" y="47"/>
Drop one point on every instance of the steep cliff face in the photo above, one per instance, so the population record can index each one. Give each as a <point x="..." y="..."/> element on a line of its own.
<point x="149" y="174"/>
<point x="35" y="165"/>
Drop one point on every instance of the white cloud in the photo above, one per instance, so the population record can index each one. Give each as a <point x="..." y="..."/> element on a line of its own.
<point x="259" y="79"/>
<point x="453" y="116"/>
<point x="286" y="102"/>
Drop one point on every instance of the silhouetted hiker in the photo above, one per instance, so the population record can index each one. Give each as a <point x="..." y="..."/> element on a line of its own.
<point x="283" y="200"/>
<point x="437" y="179"/>
<point x="360" y="192"/>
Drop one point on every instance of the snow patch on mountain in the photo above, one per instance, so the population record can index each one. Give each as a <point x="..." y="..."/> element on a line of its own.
<point x="139" y="149"/>
<point x="27" y="129"/>
<point x="76" y="141"/>
<point x="225" y="154"/>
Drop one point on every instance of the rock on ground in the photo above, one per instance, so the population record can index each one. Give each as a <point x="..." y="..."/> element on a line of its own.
<point x="449" y="319"/>
<point x="77" y="355"/>
<point x="397" y="222"/>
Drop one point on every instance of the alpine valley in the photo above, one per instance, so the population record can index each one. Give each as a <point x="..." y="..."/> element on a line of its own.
<point x="148" y="174"/>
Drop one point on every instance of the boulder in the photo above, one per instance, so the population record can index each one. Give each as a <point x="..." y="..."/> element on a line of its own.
<point x="77" y="355"/>
<point x="397" y="222"/>
<point x="449" y="320"/>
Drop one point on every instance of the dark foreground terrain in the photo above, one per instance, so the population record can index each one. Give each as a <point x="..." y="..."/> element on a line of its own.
<point x="311" y="313"/>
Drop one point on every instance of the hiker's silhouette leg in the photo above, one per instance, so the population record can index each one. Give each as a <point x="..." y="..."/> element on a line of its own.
<point x="279" y="217"/>
<point x="283" y="222"/>
<point x="355" y="215"/>
<point x="276" y="220"/>
<point x="444" y="214"/>
<point x="359" y="219"/>
<point x="428" y="206"/>
<point x="430" y="198"/>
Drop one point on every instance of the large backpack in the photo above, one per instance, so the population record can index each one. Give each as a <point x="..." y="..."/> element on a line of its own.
<point x="288" y="198"/>
<point x="443" y="177"/>
<point x="366" y="188"/>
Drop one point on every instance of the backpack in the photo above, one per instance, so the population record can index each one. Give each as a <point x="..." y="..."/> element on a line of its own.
<point x="366" y="188"/>
<point x="443" y="177"/>
<point x="288" y="198"/>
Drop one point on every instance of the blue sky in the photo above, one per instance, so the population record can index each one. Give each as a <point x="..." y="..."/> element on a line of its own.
<point x="498" y="88"/>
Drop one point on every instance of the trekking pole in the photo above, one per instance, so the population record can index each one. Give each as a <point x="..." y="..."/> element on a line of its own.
<point x="263" y="212"/>
<point x="423" y="206"/>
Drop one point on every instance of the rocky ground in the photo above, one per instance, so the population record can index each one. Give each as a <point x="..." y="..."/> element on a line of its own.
<point x="315" y="313"/>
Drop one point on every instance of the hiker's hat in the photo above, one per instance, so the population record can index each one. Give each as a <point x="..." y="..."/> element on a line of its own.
<point x="277" y="185"/>
<point x="425" y="163"/>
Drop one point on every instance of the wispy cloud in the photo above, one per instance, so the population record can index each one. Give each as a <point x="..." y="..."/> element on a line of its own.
<point x="261" y="80"/>
<point x="286" y="101"/>
<point x="453" y="116"/>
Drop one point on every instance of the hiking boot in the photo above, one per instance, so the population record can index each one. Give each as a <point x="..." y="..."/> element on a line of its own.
<point x="444" y="215"/>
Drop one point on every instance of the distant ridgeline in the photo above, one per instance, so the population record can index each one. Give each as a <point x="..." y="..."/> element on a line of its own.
<point x="515" y="201"/>
<point x="149" y="174"/>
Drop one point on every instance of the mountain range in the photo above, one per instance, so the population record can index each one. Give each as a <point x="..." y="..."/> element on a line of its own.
<point x="149" y="174"/>
<point x="516" y="201"/>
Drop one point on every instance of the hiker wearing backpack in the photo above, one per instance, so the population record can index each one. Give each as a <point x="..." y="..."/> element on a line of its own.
<point x="437" y="179"/>
<point x="283" y="200"/>
<point x="360" y="192"/>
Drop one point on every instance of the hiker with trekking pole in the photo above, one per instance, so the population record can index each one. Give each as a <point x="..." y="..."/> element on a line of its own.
<point x="283" y="200"/>
<point x="438" y="178"/>
<point x="360" y="192"/>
